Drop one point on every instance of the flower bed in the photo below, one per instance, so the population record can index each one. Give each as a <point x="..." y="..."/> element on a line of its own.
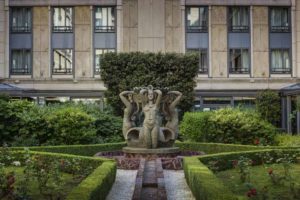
<point x="54" y="176"/>
<point x="199" y="171"/>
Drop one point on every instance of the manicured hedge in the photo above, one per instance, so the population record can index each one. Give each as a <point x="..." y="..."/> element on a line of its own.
<point x="96" y="186"/>
<point x="205" y="185"/>
<point x="82" y="150"/>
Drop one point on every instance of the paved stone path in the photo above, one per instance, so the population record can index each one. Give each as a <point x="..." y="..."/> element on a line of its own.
<point x="123" y="186"/>
<point x="176" y="186"/>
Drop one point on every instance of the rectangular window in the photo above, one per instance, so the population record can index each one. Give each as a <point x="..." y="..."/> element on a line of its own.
<point x="196" y="19"/>
<point x="62" y="61"/>
<point x="203" y="59"/>
<point x="21" y="20"/>
<point x="98" y="54"/>
<point x="104" y="19"/>
<point x="239" y="19"/>
<point x="21" y="62"/>
<point x="280" y="61"/>
<point x="62" y="19"/>
<point x="239" y="61"/>
<point x="280" y="19"/>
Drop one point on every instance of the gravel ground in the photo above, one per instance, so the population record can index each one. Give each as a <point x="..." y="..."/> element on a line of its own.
<point x="176" y="186"/>
<point x="124" y="185"/>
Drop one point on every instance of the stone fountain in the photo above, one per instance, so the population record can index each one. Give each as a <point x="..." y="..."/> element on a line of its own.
<point x="150" y="122"/>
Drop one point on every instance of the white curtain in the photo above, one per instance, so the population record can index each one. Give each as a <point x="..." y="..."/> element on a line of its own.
<point x="245" y="59"/>
<point x="276" y="59"/>
<point x="193" y="17"/>
<point x="279" y="17"/>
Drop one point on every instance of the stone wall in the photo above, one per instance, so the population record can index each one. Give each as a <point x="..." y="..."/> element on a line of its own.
<point x="219" y="41"/>
<point x="260" y="41"/>
<point x="41" y="49"/>
<point x="3" y="41"/>
<point x="83" y="45"/>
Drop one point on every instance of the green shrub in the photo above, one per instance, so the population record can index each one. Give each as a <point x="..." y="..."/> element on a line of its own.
<point x="71" y="126"/>
<point x="124" y="71"/>
<point x="288" y="140"/>
<point x="268" y="105"/>
<point x="227" y="125"/>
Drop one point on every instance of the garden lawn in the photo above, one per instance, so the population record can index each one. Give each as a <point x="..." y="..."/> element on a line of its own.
<point x="67" y="179"/>
<point x="260" y="179"/>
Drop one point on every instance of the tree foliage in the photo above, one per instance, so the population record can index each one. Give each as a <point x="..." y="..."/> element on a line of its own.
<point x="268" y="106"/>
<point x="124" y="71"/>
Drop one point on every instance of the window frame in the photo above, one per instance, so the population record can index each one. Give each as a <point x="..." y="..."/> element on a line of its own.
<point x="229" y="21"/>
<point x="52" y="63"/>
<point x="200" y="29"/>
<point x="107" y="30"/>
<point x="97" y="72"/>
<point x="29" y="30"/>
<point x="204" y="71"/>
<point x="230" y="68"/>
<point x="66" y="30"/>
<point x="29" y="69"/>
<point x="288" y="30"/>
<point x="290" y="60"/>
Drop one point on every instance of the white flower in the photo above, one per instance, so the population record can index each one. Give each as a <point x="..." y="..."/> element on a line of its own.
<point x="16" y="163"/>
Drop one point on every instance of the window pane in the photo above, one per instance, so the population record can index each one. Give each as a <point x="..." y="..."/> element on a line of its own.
<point x="98" y="54"/>
<point x="62" y="19"/>
<point x="104" y="19"/>
<point x="21" y="20"/>
<point x="245" y="59"/>
<point x="279" y="19"/>
<point x="193" y="17"/>
<point x="62" y="61"/>
<point x="286" y="59"/>
<point x="276" y="59"/>
<point x="20" y="61"/>
<point x="239" y="18"/>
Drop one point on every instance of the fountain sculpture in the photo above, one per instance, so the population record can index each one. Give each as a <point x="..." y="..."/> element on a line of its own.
<point x="146" y="110"/>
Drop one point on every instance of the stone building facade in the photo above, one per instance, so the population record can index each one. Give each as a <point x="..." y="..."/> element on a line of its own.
<point x="53" y="48"/>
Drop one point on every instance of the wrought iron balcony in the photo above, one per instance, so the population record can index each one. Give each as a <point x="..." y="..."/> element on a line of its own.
<point x="20" y="71"/>
<point x="281" y="70"/>
<point x="239" y="29"/>
<point x="196" y="29"/>
<point x="104" y="29"/>
<point x="20" y="29"/>
<point x="280" y="29"/>
<point x="62" y="29"/>
<point x="239" y="70"/>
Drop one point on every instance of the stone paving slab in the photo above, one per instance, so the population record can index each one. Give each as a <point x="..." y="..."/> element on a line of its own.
<point x="176" y="186"/>
<point x="124" y="185"/>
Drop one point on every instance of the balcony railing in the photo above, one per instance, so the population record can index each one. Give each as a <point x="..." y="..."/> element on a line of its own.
<point x="280" y="29"/>
<point x="20" y="29"/>
<point x="239" y="29"/>
<point x="196" y="29"/>
<point x="239" y="70"/>
<point x="20" y="71"/>
<point x="62" y="70"/>
<point x="62" y="29"/>
<point x="104" y="29"/>
<point x="281" y="70"/>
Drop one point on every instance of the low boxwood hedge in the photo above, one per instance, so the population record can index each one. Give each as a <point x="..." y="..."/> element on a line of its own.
<point x="95" y="186"/>
<point x="205" y="185"/>
<point x="82" y="150"/>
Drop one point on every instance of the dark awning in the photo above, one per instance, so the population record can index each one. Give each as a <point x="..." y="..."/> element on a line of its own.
<point x="291" y="90"/>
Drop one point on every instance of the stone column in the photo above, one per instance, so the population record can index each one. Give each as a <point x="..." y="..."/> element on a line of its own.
<point x="283" y="114"/>
<point x="288" y="113"/>
<point x="209" y="43"/>
<point x="119" y="26"/>
<point x="294" y="41"/>
<point x="182" y="8"/>
<point x="251" y="36"/>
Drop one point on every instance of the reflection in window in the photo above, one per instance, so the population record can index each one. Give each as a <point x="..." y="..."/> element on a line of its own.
<point x="20" y="62"/>
<point x="98" y="54"/>
<point x="104" y="19"/>
<point x="62" y="61"/>
<point x="197" y="19"/>
<point x="20" y="20"/>
<point x="62" y="19"/>
<point x="239" y="61"/>
<point x="280" y="61"/>
<point x="203" y="59"/>
<point x="279" y="19"/>
<point x="239" y="19"/>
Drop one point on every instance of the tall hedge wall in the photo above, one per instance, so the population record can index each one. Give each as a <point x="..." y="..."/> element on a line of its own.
<point x="124" y="71"/>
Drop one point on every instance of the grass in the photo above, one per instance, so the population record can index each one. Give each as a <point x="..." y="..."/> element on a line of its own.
<point x="260" y="179"/>
<point x="288" y="140"/>
<point x="68" y="183"/>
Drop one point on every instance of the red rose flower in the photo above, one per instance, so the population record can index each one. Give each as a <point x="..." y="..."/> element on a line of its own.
<point x="234" y="163"/>
<point x="270" y="171"/>
<point x="253" y="192"/>
<point x="256" y="141"/>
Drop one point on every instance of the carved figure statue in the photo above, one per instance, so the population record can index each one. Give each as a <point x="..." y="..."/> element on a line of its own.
<point x="151" y="121"/>
<point x="150" y="134"/>
<point x="170" y="111"/>
<point x="128" y="119"/>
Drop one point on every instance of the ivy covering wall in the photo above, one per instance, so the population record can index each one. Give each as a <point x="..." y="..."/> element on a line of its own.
<point x="124" y="71"/>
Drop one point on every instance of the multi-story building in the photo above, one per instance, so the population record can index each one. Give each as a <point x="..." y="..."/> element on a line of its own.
<point x="53" y="48"/>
